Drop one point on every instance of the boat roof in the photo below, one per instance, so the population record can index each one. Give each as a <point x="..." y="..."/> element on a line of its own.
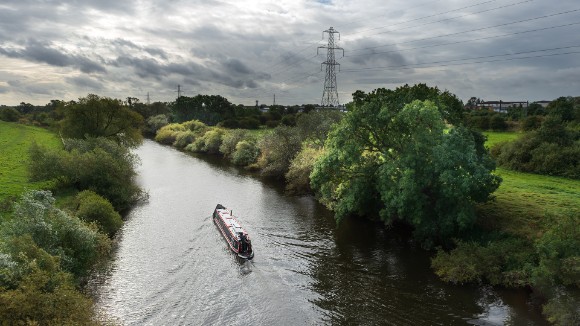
<point x="231" y="222"/>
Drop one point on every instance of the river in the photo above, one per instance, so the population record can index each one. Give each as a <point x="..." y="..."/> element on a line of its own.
<point x="171" y="265"/>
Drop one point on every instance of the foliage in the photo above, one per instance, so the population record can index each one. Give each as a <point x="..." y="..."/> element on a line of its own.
<point x="563" y="310"/>
<point x="553" y="149"/>
<point x="95" y="116"/>
<point x="94" y="208"/>
<point x="246" y="153"/>
<point x="230" y="139"/>
<point x="184" y="138"/>
<point x="497" y="123"/>
<point x="96" y="164"/>
<point x="504" y="262"/>
<point x="531" y="123"/>
<point x="298" y="175"/>
<point x="277" y="149"/>
<point x="168" y="133"/>
<point x="402" y="163"/>
<point x="155" y="123"/>
<point x="559" y="251"/>
<point x="563" y="107"/>
<point x="316" y="125"/>
<point x="44" y="298"/>
<point x="209" y="109"/>
<point x="78" y="245"/>
<point x="9" y="114"/>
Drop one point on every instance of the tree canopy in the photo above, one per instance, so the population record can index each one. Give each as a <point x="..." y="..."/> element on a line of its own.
<point x="397" y="158"/>
<point x="96" y="116"/>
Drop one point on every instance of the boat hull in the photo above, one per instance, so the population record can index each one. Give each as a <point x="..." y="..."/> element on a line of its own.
<point x="236" y="237"/>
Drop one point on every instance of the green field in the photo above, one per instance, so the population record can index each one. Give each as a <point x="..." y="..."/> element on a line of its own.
<point x="15" y="141"/>
<point x="500" y="137"/>
<point x="524" y="199"/>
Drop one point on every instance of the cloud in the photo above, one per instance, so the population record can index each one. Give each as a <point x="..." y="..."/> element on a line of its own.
<point x="39" y="52"/>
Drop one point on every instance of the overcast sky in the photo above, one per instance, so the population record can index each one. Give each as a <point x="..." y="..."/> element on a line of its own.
<point x="251" y="50"/>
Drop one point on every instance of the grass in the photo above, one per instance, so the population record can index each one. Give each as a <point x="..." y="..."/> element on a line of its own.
<point x="15" y="141"/>
<point x="523" y="200"/>
<point x="500" y="137"/>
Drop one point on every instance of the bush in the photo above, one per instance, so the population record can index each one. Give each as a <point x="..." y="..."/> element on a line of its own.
<point x="184" y="138"/>
<point x="230" y="139"/>
<point x="212" y="141"/>
<point x="504" y="262"/>
<point x="277" y="149"/>
<point x="94" y="208"/>
<point x="156" y="122"/>
<point x="96" y="164"/>
<point x="246" y="153"/>
<point x="43" y="298"/>
<point x="497" y="122"/>
<point x="531" y="123"/>
<point x="9" y="114"/>
<point x="168" y="134"/>
<point x="78" y="245"/>
<point x="298" y="175"/>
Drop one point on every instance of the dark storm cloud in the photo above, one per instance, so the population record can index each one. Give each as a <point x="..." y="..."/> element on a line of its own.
<point x="122" y="43"/>
<point x="237" y="67"/>
<point x="85" y="82"/>
<point x="40" y="52"/>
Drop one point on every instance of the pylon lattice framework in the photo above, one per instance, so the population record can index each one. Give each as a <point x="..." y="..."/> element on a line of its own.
<point x="330" y="92"/>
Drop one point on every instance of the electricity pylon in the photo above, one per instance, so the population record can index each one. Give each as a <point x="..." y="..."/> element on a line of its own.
<point x="330" y="92"/>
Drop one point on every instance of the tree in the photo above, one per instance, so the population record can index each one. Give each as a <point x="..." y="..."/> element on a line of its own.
<point x="95" y="116"/>
<point x="399" y="162"/>
<point x="209" y="109"/>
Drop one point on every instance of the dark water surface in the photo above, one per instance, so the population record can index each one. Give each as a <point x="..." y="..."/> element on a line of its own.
<point x="172" y="267"/>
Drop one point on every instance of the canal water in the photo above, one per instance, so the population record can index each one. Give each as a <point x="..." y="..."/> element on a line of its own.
<point x="172" y="267"/>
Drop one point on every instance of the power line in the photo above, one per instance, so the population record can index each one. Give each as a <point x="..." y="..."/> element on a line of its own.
<point x="471" y="30"/>
<point x="425" y="17"/>
<point x="466" y="41"/>
<point x="443" y="63"/>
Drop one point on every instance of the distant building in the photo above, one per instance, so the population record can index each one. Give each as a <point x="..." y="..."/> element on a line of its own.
<point x="544" y="104"/>
<point x="500" y="106"/>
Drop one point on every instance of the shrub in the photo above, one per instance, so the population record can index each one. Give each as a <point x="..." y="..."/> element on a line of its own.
<point x="78" y="245"/>
<point x="44" y="298"/>
<point x="184" y="138"/>
<point x="246" y="153"/>
<point x="94" y="208"/>
<point x="156" y="122"/>
<point x="298" y="175"/>
<point x="531" y="123"/>
<point x="277" y="149"/>
<point x="167" y="134"/>
<point x="9" y="114"/>
<point x="96" y="164"/>
<point x="230" y="139"/>
<point x="497" y="122"/>
<point x="212" y="141"/>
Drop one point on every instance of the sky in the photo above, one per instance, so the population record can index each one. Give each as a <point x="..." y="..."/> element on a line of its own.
<point x="510" y="50"/>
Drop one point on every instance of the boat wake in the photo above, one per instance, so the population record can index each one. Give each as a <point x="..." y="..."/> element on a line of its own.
<point x="246" y="267"/>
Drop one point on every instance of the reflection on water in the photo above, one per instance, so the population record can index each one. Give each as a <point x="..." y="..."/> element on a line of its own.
<point x="172" y="267"/>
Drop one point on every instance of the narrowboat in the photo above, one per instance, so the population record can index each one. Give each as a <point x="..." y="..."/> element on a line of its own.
<point x="236" y="237"/>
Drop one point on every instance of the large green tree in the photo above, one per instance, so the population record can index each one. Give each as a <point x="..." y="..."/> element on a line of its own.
<point x="95" y="116"/>
<point x="399" y="161"/>
<point x="209" y="109"/>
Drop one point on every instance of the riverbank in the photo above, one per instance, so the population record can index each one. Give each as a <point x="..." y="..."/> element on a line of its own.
<point x="49" y="247"/>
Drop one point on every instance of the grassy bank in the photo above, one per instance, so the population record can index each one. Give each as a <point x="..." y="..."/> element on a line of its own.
<point x="15" y="141"/>
<point x="523" y="199"/>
